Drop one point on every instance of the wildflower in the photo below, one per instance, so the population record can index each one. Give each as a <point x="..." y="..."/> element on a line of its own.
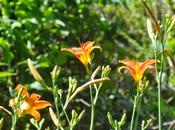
<point x="136" y="68"/>
<point x="83" y="52"/>
<point x="30" y="103"/>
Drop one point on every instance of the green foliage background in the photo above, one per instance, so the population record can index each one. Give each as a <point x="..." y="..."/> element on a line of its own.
<point x="37" y="29"/>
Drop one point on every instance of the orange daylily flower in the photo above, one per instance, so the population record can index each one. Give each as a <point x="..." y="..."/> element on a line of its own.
<point x="136" y="68"/>
<point x="31" y="103"/>
<point x="83" y="52"/>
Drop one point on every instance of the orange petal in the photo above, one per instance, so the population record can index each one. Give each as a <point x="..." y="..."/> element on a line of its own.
<point x="128" y="63"/>
<point x="146" y="64"/>
<point x="24" y="92"/>
<point x="123" y="67"/>
<point x="35" y="97"/>
<point x="152" y="69"/>
<point x="132" y="71"/>
<point x="36" y="115"/>
<point x="87" y="44"/>
<point x="41" y="104"/>
<point x="75" y="51"/>
<point x="97" y="47"/>
<point x="12" y="102"/>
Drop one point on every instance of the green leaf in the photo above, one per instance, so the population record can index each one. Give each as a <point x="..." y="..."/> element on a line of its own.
<point x="6" y="74"/>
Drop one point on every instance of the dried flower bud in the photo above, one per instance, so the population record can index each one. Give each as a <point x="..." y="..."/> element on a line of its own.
<point x="150" y="29"/>
<point x="53" y="116"/>
<point x="34" y="72"/>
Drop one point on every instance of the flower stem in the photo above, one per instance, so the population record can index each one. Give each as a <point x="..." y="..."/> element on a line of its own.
<point x="92" y="100"/>
<point x="55" y="95"/>
<point x="134" y="110"/>
<point x="14" y="120"/>
<point x="137" y="114"/>
<point x="92" y="109"/>
<point x="159" y="77"/>
<point x="159" y="86"/>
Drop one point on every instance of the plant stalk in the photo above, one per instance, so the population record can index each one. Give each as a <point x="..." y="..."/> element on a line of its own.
<point x="134" y="110"/>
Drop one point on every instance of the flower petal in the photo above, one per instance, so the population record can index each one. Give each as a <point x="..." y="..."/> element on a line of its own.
<point x="35" y="97"/>
<point x="83" y="52"/>
<point x="128" y="63"/>
<point x="41" y="104"/>
<point x="24" y="92"/>
<point x="132" y="71"/>
<point x="77" y="51"/>
<point x="146" y="64"/>
<point x="12" y="102"/>
<point x="36" y="115"/>
<point x="97" y="47"/>
<point x="152" y="68"/>
<point x="123" y="67"/>
<point x="87" y="44"/>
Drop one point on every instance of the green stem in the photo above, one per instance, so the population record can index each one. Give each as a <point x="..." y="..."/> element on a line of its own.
<point x="55" y="96"/>
<point x="159" y="106"/>
<point x="56" y="102"/>
<point x="92" y="100"/>
<point x="14" y="121"/>
<point x="134" y="110"/>
<point x="88" y="70"/>
<point x="56" y="105"/>
<point x="93" y="106"/>
<point x="137" y="114"/>
<point x="158" y="79"/>
<point x="159" y="86"/>
<point x="92" y="109"/>
<point x="65" y="113"/>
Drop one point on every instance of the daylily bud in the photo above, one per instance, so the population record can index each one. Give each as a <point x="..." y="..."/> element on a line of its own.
<point x="60" y="92"/>
<point x="34" y="72"/>
<point x="55" y="73"/>
<point x="173" y="20"/>
<point x="150" y="29"/>
<point x="123" y="119"/>
<point x="143" y="85"/>
<point x="172" y="23"/>
<point x="105" y="71"/>
<point x="72" y="84"/>
<point x="81" y="115"/>
<point x="53" y="116"/>
<point x="1" y="123"/>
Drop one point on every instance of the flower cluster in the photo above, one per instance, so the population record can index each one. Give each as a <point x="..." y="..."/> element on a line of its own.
<point x="137" y="69"/>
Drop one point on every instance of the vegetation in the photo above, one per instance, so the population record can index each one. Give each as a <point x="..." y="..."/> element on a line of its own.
<point x="84" y="64"/>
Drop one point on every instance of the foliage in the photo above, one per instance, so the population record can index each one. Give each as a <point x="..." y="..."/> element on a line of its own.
<point x="37" y="29"/>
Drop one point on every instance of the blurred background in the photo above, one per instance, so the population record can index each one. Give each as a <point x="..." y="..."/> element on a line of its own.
<point x="37" y="29"/>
